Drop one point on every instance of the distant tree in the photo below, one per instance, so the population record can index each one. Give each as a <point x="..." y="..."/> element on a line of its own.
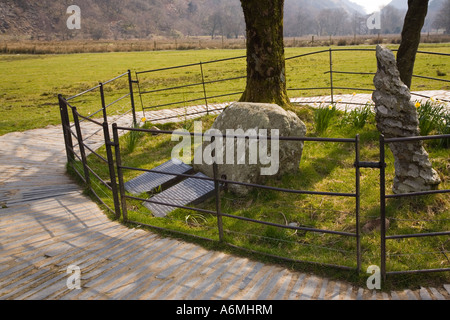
<point x="96" y="29"/>
<point x="232" y="21"/>
<point x="192" y="7"/>
<point x="391" y="20"/>
<point x="412" y="26"/>
<point x="111" y="8"/>
<point x="442" y="20"/>
<point x="299" y="24"/>
<point x="332" y="22"/>
<point x="214" y="23"/>
<point x="322" y="22"/>
<point x="358" y="23"/>
<point x="22" y="4"/>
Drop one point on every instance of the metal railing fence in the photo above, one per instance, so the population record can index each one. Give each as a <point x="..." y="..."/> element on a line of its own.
<point x="73" y="131"/>
<point x="77" y="149"/>
<point x="199" y="90"/>
<point x="218" y="181"/>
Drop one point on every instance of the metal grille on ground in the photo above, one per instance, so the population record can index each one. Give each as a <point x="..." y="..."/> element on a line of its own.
<point x="186" y="192"/>
<point x="149" y="181"/>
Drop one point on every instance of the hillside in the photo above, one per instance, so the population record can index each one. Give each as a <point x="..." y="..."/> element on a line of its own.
<point x="150" y="19"/>
<point x="105" y="18"/>
<point x="434" y="8"/>
<point x="123" y="19"/>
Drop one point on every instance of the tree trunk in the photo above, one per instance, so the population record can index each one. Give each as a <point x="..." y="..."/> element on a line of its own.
<point x="266" y="81"/>
<point x="412" y="26"/>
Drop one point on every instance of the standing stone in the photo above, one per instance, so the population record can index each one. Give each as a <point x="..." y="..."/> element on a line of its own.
<point x="396" y="116"/>
<point x="251" y="119"/>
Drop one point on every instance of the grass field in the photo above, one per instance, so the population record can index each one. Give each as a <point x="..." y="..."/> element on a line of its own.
<point x="30" y="83"/>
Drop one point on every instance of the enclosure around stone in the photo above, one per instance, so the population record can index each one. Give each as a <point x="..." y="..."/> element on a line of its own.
<point x="215" y="181"/>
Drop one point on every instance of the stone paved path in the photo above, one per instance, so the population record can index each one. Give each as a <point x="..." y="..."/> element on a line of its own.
<point x="347" y="100"/>
<point x="47" y="225"/>
<point x="343" y="101"/>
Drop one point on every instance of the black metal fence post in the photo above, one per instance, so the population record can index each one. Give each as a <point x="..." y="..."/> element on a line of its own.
<point x="358" y="203"/>
<point x="81" y="146"/>
<point x="331" y="76"/>
<point x="217" y="193"/>
<point x="218" y="210"/>
<point x="133" y="107"/>
<point x="112" y="173"/>
<point x="123" y="199"/>
<point x="102" y="97"/>
<point x="383" y="207"/>
<point x="204" y="88"/>
<point x="140" y="93"/>
<point x="66" y="128"/>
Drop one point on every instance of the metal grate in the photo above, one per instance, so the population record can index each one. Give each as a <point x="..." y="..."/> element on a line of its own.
<point x="188" y="191"/>
<point x="150" y="180"/>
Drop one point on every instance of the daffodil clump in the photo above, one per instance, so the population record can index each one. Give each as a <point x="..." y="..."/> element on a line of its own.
<point x="322" y="117"/>
<point x="359" y="117"/>
<point x="434" y="118"/>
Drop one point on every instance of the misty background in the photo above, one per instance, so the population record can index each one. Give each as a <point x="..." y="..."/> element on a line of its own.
<point x="149" y="19"/>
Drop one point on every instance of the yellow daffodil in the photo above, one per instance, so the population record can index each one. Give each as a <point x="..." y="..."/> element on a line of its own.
<point x="432" y="99"/>
<point x="417" y="104"/>
<point x="143" y="119"/>
<point x="354" y="93"/>
<point x="330" y="107"/>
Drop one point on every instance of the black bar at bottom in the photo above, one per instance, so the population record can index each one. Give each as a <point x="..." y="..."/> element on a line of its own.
<point x="363" y="164"/>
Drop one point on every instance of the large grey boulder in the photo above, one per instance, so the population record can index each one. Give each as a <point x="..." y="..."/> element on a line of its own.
<point x="251" y="160"/>
<point x="396" y="116"/>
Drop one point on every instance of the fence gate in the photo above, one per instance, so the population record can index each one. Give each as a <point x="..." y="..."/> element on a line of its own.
<point x="383" y="200"/>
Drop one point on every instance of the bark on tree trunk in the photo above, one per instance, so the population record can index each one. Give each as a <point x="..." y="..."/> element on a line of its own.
<point x="414" y="20"/>
<point x="266" y="81"/>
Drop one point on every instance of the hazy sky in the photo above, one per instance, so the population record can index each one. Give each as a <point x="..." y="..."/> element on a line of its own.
<point x="371" y="5"/>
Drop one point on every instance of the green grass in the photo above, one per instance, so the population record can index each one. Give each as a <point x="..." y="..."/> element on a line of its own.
<point x="324" y="167"/>
<point x="30" y="83"/>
